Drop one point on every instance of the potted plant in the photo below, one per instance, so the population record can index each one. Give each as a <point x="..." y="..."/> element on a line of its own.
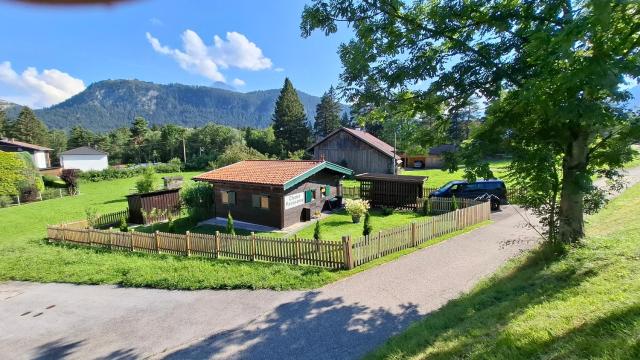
<point x="356" y="208"/>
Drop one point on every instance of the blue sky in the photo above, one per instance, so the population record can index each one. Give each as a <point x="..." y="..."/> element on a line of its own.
<point x="258" y="45"/>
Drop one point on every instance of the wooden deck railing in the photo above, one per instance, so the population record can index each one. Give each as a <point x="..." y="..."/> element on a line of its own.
<point x="347" y="253"/>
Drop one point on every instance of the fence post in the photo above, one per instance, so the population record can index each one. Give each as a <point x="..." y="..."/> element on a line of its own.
<point x="64" y="233"/>
<point x="253" y="246"/>
<point x="297" y="243"/>
<point x="378" y="244"/>
<point x="188" y="243"/>
<point x="348" y="259"/>
<point x="132" y="237"/>
<point x="156" y="238"/>
<point x="110" y="237"/>
<point x="414" y="234"/>
<point x="217" y="244"/>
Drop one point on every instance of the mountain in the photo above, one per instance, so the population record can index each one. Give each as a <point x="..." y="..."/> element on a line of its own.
<point x="11" y="109"/>
<point x="110" y="104"/>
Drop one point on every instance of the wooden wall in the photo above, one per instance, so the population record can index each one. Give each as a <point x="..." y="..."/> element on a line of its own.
<point x="347" y="150"/>
<point x="323" y="178"/>
<point x="163" y="199"/>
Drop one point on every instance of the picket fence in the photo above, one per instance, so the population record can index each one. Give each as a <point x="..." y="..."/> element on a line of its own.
<point x="345" y="254"/>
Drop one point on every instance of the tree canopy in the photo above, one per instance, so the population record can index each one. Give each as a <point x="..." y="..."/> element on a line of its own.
<point x="327" y="114"/>
<point x="290" y="121"/>
<point x="29" y="128"/>
<point x="550" y="71"/>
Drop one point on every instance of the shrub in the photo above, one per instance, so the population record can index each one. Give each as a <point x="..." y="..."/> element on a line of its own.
<point x="356" y="208"/>
<point x="316" y="231"/>
<point x="70" y="177"/>
<point x="386" y="211"/>
<point x="198" y="200"/>
<point x="454" y="203"/>
<point x="367" y="228"/>
<point x="92" y="216"/>
<point x="238" y="152"/>
<point x="145" y="183"/>
<point x="174" y="165"/>
<point x="426" y="207"/>
<point x="230" y="229"/>
<point x="124" y="227"/>
<point x="5" y="201"/>
<point x="199" y="162"/>
<point x="11" y="173"/>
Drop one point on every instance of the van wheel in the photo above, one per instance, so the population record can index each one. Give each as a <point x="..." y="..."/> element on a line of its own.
<point x="495" y="205"/>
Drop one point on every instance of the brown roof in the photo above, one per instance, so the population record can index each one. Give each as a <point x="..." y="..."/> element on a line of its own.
<point x="267" y="172"/>
<point x="24" y="145"/>
<point x="392" y="178"/>
<point x="373" y="141"/>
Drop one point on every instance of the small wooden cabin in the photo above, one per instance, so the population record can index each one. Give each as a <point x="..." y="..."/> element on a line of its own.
<point x="357" y="150"/>
<point x="275" y="193"/>
<point x="434" y="159"/>
<point x="167" y="199"/>
<point x="395" y="191"/>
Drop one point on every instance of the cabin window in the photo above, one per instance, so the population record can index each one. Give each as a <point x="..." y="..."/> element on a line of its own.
<point x="228" y="197"/>
<point x="308" y="196"/>
<point x="260" y="201"/>
<point x="327" y="191"/>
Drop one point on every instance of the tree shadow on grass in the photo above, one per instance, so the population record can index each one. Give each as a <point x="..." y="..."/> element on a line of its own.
<point x="115" y="201"/>
<point x="463" y="325"/>
<point x="311" y="327"/>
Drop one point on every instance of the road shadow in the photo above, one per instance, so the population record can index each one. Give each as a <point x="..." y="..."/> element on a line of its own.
<point x="61" y="349"/>
<point x="311" y="327"/>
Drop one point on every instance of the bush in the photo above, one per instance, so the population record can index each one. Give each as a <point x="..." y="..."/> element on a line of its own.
<point x="124" y="227"/>
<point x="316" y="231"/>
<point x="238" y="152"/>
<point x="174" y="165"/>
<point x="199" y="162"/>
<point x="51" y="181"/>
<point x="5" y="201"/>
<point x="198" y="200"/>
<point x="70" y="177"/>
<point x="230" y="228"/>
<point x="12" y="170"/>
<point x="386" y="211"/>
<point x="145" y="183"/>
<point x="91" y="216"/>
<point x="356" y="208"/>
<point x="367" y="228"/>
<point x="426" y="207"/>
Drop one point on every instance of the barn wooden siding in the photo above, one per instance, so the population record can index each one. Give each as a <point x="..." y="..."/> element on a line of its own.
<point x="347" y="150"/>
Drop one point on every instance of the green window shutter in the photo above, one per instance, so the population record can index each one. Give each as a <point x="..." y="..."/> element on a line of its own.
<point x="255" y="199"/>
<point x="327" y="190"/>
<point x="308" y="195"/>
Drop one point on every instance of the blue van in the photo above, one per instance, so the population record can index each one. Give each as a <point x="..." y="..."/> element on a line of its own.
<point x="464" y="189"/>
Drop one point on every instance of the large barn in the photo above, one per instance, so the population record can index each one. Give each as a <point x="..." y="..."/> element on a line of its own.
<point x="274" y="193"/>
<point x="357" y="150"/>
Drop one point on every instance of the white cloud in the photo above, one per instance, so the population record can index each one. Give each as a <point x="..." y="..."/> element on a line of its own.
<point x="155" y="21"/>
<point x="199" y="58"/>
<point x="278" y="69"/>
<point x="38" y="89"/>
<point x="238" y="82"/>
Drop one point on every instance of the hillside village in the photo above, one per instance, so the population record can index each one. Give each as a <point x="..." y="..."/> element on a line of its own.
<point x="462" y="189"/>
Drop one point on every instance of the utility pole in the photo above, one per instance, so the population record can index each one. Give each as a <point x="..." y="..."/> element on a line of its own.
<point x="184" y="151"/>
<point x="395" y="165"/>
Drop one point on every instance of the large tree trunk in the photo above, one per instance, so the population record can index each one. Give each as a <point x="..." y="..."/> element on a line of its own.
<point x="574" y="179"/>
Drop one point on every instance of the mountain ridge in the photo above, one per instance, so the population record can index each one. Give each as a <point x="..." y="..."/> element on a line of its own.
<point x="109" y="104"/>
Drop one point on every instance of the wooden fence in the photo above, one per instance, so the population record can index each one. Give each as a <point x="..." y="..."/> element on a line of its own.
<point x="514" y="194"/>
<point x="368" y="248"/>
<point x="324" y="253"/>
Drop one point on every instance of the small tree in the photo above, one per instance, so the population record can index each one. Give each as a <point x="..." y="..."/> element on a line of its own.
<point x="145" y="184"/>
<point x="124" y="227"/>
<point x="316" y="231"/>
<point x="91" y="216"/>
<point x="426" y="207"/>
<point x="367" y="228"/>
<point x="230" y="229"/>
<point x="454" y="203"/>
<point x="70" y="177"/>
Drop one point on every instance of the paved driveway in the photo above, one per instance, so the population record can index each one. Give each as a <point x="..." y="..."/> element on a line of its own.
<point x="339" y="321"/>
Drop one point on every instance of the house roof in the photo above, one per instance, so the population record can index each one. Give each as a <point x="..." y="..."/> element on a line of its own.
<point x="364" y="136"/>
<point x="285" y="173"/>
<point x="83" y="150"/>
<point x="24" y="145"/>
<point x="441" y="149"/>
<point x="392" y="178"/>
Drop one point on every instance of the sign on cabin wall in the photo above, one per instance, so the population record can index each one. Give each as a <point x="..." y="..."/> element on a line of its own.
<point x="293" y="200"/>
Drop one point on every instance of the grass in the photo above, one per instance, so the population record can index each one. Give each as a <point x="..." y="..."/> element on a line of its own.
<point x="339" y="224"/>
<point x="25" y="255"/>
<point x="582" y="304"/>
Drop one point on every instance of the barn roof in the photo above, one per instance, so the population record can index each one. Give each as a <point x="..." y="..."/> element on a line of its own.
<point x="441" y="149"/>
<point x="364" y="136"/>
<point x="23" y="145"/>
<point x="83" y="150"/>
<point x="392" y="178"/>
<point x="285" y="173"/>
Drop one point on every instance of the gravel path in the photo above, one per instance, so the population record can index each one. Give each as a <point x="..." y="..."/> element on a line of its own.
<point x="343" y="320"/>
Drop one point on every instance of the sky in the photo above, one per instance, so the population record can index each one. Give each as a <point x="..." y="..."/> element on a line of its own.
<point x="48" y="54"/>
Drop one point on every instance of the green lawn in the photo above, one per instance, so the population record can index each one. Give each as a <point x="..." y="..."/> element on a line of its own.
<point x="582" y="305"/>
<point x="339" y="224"/>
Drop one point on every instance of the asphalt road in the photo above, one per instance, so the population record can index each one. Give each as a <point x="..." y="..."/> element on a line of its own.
<point x="343" y="320"/>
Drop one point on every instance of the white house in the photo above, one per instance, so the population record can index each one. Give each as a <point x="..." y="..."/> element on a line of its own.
<point x="40" y="153"/>
<point x="84" y="158"/>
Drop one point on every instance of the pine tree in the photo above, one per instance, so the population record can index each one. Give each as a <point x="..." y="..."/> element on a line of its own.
<point x="79" y="136"/>
<point x="346" y="121"/>
<point x="290" y="120"/>
<point x="3" y="124"/>
<point x="29" y="128"/>
<point x="316" y="231"/>
<point x="367" y="228"/>
<point x="327" y="114"/>
<point x="230" y="229"/>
